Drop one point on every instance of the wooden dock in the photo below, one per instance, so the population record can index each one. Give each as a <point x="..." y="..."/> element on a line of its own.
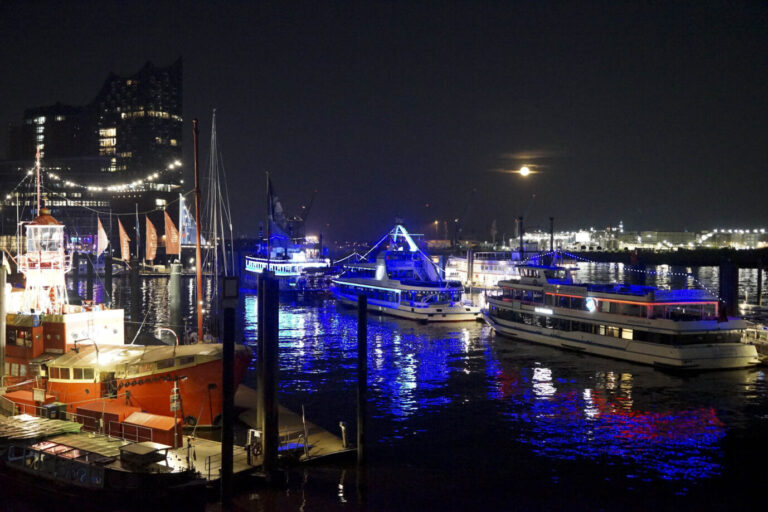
<point x="321" y="443"/>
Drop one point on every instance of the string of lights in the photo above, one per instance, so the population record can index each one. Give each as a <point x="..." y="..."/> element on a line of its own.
<point x="121" y="187"/>
<point x="74" y="202"/>
<point x="630" y="268"/>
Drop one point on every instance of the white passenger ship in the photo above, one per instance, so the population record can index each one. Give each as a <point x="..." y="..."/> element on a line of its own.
<point x="404" y="282"/>
<point x="681" y="329"/>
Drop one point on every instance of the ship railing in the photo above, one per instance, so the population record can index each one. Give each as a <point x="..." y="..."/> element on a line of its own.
<point x="213" y="462"/>
<point x="112" y="429"/>
<point x="752" y="334"/>
<point x="7" y="407"/>
<point x="128" y="432"/>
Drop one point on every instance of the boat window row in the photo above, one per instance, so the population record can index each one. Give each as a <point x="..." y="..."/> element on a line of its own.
<point x="678" y="312"/>
<point x="70" y="373"/>
<point x="562" y="324"/>
<point x="430" y="297"/>
<point x="371" y="293"/>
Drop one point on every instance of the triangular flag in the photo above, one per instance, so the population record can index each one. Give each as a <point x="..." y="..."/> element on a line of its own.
<point x="172" y="241"/>
<point x="151" y="240"/>
<point x="102" y="241"/>
<point x="125" y="242"/>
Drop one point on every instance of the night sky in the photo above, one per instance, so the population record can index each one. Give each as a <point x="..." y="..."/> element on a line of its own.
<point x="654" y="113"/>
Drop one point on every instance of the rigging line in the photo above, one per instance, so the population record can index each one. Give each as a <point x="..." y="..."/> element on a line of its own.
<point x="141" y="326"/>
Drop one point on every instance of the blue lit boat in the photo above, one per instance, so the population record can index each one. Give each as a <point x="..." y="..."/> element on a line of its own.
<point x="297" y="265"/>
<point x="403" y="282"/>
<point x="678" y="329"/>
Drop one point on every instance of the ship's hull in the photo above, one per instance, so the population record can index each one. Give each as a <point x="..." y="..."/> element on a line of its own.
<point x="199" y="389"/>
<point x="690" y="357"/>
<point x="121" y="490"/>
<point x="441" y="313"/>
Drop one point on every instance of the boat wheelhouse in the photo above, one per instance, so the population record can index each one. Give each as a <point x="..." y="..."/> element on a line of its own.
<point x="681" y="329"/>
<point x="403" y="282"/>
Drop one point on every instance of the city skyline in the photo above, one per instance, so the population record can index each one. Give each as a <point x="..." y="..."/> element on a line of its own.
<point x="654" y="115"/>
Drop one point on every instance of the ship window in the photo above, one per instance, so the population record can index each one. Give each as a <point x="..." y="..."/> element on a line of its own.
<point x="77" y="373"/>
<point x="577" y="303"/>
<point x="605" y="306"/>
<point x="165" y="363"/>
<point x="612" y="331"/>
<point x="64" y="373"/>
<point x="187" y="360"/>
<point x="22" y="370"/>
<point x="54" y="373"/>
<point x="626" y="334"/>
<point x="14" y="369"/>
<point x="88" y="373"/>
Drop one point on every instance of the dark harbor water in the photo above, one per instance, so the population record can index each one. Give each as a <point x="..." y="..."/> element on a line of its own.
<point x="462" y="419"/>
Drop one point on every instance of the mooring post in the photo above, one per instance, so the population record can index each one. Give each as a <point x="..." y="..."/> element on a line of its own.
<point x="89" y="278"/>
<point x="552" y="234"/>
<point x="729" y="286"/>
<point x="135" y="297"/>
<point x="76" y="271"/>
<point x="260" y="350"/>
<point x="362" y="373"/>
<point x="174" y="300"/>
<point x="230" y="292"/>
<point x="2" y="324"/>
<point x="271" y="340"/>
<point x="470" y="266"/>
<point x="108" y="279"/>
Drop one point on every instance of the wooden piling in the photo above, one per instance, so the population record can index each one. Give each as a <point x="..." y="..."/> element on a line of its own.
<point x="729" y="286"/>
<point x="135" y="294"/>
<point x="260" y="349"/>
<point x="108" y="279"/>
<point x="270" y="435"/>
<point x="89" y="278"/>
<point x="229" y="306"/>
<point x="362" y="373"/>
<point x="76" y="271"/>
<point x="2" y="323"/>
<point x="174" y="302"/>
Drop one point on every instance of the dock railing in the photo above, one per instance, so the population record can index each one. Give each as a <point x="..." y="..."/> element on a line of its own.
<point x="112" y="429"/>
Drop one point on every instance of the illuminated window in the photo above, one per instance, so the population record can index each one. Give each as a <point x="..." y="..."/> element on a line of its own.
<point x="40" y="138"/>
<point x="40" y="129"/>
<point x="40" y="120"/>
<point x="174" y="142"/>
<point x="60" y="118"/>
<point x="107" y="132"/>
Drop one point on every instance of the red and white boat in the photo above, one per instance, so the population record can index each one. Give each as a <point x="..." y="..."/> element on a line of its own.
<point x="77" y="354"/>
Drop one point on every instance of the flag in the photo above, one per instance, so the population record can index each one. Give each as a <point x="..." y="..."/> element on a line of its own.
<point x="151" y="240"/>
<point x="125" y="242"/>
<point x="172" y="242"/>
<point x="102" y="241"/>
<point x="278" y="222"/>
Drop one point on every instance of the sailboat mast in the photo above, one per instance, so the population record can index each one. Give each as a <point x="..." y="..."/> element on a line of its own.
<point x="198" y="257"/>
<point x="37" y="167"/>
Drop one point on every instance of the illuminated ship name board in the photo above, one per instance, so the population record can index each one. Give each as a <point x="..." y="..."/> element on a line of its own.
<point x="544" y="311"/>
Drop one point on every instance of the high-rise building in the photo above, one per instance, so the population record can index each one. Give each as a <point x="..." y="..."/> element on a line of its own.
<point x="118" y="154"/>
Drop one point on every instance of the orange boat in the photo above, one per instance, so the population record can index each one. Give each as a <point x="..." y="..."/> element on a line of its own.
<point x="78" y="354"/>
